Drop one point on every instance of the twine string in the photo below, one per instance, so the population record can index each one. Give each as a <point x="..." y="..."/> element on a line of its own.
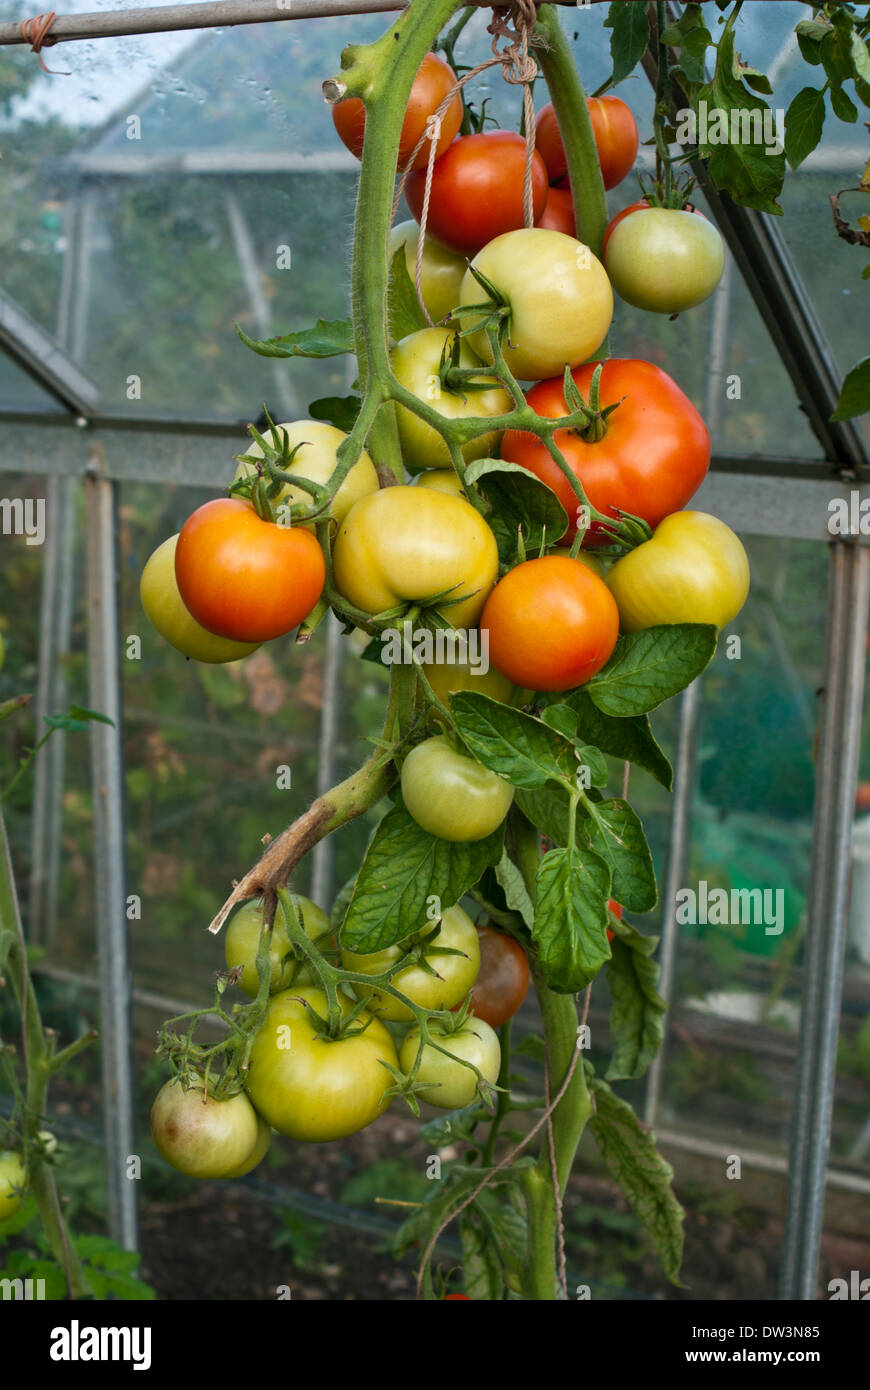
<point x="35" y="31"/>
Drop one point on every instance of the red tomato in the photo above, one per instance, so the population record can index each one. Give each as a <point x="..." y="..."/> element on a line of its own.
<point x="615" y="131"/>
<point x="243" y="577"/>
<point x="552" y="623"/>
<point x="652" y="459"/>
<point x="626" y="212"/>
<point x="616" y="909"/>
<point x="558" y="213"/>
<point x="455" y="1297"/>
<point x="477" y="190"/>
<point x="503" y="979"/>
<point x="431" y="85"/>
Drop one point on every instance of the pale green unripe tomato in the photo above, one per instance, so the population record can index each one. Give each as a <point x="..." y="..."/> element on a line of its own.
<point x="258" y="1152"/>
<point x="454" y="978"/>
<point x="243" y="939"/>
<point x="451" y="795"/>
<point x="316" y="459"/>
<point x="442" y="271"/>
<point x="200" y="1136"/>
<point x="416" y="361"/>
<point x="12" y="1175"/>
<point x="664" y="259"/>
<point x="445" y="1082"/>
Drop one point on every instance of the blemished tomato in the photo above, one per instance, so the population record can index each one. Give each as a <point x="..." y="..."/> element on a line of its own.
<point x="445" y="1082"/>
<point x="315" y="458"/>
<point x="558" y="213"/>
<point x="503" y="979"/>
<point x="615" y="132"/>
<point x="451" y="795"/>
<point x="441" y="271"/>
<point x="408" y="544"/>
<point x="243" y="938"/>
<point x="560" y="300"/>
<point x="165" y="610"/>
<point x="310" y="1087"/>
<point x="13" y="1182"/>
<point x="243" y="577"/>
<point x="434" y="80"/>
<point x="258" y="1152"/>
<point x="693" y="570"/>
<point x="442" y="480"/>
<point x="550" y="624"/>
<point x="664" y="260"/>
<point x="477" y="190"/>
<point x="200" y="1136"/>
<point x="454" y="978"/>
<point x="652" y="459"/>
<point x="415" y="362"/>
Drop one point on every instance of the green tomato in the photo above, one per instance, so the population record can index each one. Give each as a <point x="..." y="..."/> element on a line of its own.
<point x="442" y="271"/>
<point x="243" y="938"/>
<point x="316" y="459"/>
<point x="664" y="260"/>
<point x="445" y="1082"/>
<point x="164" y="607"/>
<point x="13" y="1175"/>
<point x="200" y="1136"/>
<point x="416" y="360"/>
<point x="456" y="974"/>
<point x="451" y="795"/>
<point x="258" y="1152"/>
<point x="312" y="1088"/>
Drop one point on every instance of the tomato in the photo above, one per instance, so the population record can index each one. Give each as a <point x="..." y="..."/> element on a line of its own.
<point x="442" y="480"/>
<point x="441" y="271"/>
<point x="13" y="1176"/>
<point x="243" y="577"/>
<point x="415" y="361"/>
<point x="616" y="909"/>
<point x="164" y="608"/>
<point x="560" y="300"/>
<point x="258" y="1152"/>
<point x="620" y="217"/>
<point x="653" y="457"/>
<point x="454" y="978"/>
<point x="665" y="260"/>
<point x="315" y="1088"/>
<point x="558" y="213"/>
<point x="503" y="981"/>
<point x="477" y="190"/>
<point x="243" y="938"/>
<point x="407" y="544"/>
<point x="434" y="80"/>
<point x="550" y="622"/>
<point x="451" y="795"/>
<point x="200" y="1136"/>
<point x="693" y="570"/>
<point x="448" y="677"/>
<point x="315" y="458"/>
<point x="443" y="1081"/>
<point x="615" y="132"/>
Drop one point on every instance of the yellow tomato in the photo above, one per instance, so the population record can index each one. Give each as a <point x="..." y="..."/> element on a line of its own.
<point x="416" y="361"/>
<point x="316" y="459"/>
<point x="693" y="570"/>
<point x="442" y="269"/>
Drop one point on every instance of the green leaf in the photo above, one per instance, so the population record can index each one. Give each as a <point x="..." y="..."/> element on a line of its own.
<point x="406" y="315"/>
<point x="519" y="747"/>
<point x="341" y="411"/>
<point x="449" y="1129"/>
<point x="843" y="106"/>
<point x="855" y="395"/>
<point x="862" y="90"/>
<point x="632" y="1158"/>
<point x="403" y="868"/>
<point x="548" y="808"/>
<point x="650" y="666"/>
<point x="629" y="738"/>
<point x="514" y="889"/>
<point x="810" y="46"/>
<point x="750" y="170"/>
<point x="629" y="26"/>
<point x="81" y="712"/>
<point x="481" y="1267"/>
<point x="531" y="1046"/>
<point x="328" y="338"/>
<point x="571" y="919"/>
<point x="615" y="833"/>
<point x="637" y="1009"/>
<point x="860" y="57"/>
<point x="65" y="722"/>
<point x="804" y="121"/>
<point x="517" y="499"/>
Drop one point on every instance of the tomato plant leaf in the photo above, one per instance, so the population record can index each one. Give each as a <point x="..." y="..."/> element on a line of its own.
<point x="855" y="394"/>
<point x="750" y="168"/>
<point x="630" y="1154"/>
<point x="548" y="808"/>
<point x="406" y="315"/>
<point x="571" y="920"/>
<point x="481" y="1267"/>
<point x="517" y="499"/>
<point x="650" y="666"/>
<point x="630" y="738"/>
<point x="514" y="889"/>
<point x="615" y="832"/>
<point x="450" y="1129"/>
<point x="341" y="411"/>
<point x="328" y="338"/>
<point x="692" y="38"/>
<point x="860" y="56"/>
<point x="809" y="34"/>
<point x="637" y="1009"/>
<point x="843" y="106"/>
<point x="403" y="868"/>
<point x="518" y="746"/>
<point x="804" y="121"/>
<point x="629" y="36"/>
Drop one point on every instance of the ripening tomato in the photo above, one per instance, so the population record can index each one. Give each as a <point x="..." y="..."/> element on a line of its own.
<point x="442" y="480"/>
<point x="452" y="978"/>
<point x="315" y="1088"/>
<point x="258" y="1152"/>
<point x="409" y="544"/>
<point x="626" y="212"/>
<point x="200" y="1136"/>
<point x="13" y="1182"/>
<point x="441" y="271"/>
<point x="664" y="260"/>
<point x="164" y="607"/>
<point x="558" y="213"/>
<point x="316" y="458"/>
<point x="446" y="677"/>
<point x="615" y="132"/>
<point x="416" y="361"/>
<point x="503" y="979"/>
<point x="616" y="909"/>
<point x="243" y="577"/>
<point x="444" y="1081"/>
<point x="552" y="623"/>
<point x="452" y="795"/>
<point x="434" y="80"/>
<point x="560" y="300"/>
<point x="693" y="570"/>
<point x="242" y="941"/>
<point x="652" y="458"/>
<point x="477" y="190"/>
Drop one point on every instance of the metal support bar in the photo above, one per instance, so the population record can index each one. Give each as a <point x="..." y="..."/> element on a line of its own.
<point x="107" y="772"/>
<point x="22" y="339"/>
<point x="836" y="777"/>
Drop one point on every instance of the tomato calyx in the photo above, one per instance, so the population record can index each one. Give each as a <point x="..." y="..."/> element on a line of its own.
<point x="596" y="417"/>
<point x="658" y="194"/>
<point x="460" y="380"/>
<point x="272" y="474"/>
<point x="494" y="312"/>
